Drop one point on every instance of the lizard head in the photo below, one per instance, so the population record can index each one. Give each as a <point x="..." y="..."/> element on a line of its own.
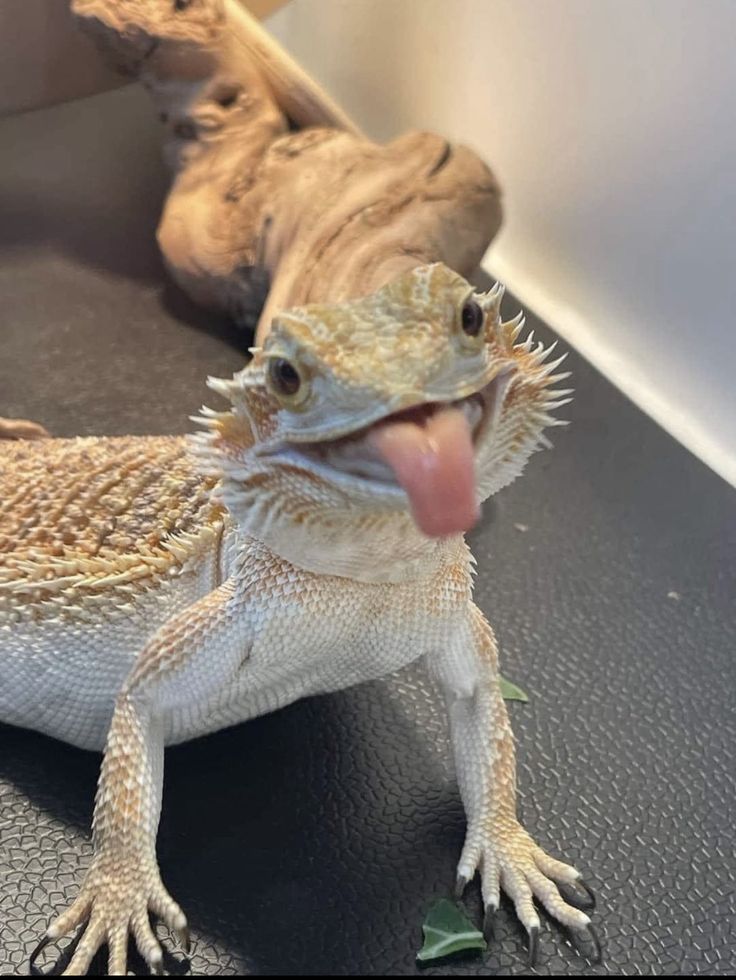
<point x="415" y="400"/>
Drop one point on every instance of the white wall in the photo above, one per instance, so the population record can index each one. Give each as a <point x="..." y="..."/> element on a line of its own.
<point x="612" y="127"/>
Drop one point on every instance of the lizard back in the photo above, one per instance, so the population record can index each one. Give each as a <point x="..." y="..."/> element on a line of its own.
<point x="101" y="541"/>
<point x="73" y="508"/>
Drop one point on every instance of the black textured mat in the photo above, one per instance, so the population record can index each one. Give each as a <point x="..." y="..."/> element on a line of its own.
<point x="314" y="840"/>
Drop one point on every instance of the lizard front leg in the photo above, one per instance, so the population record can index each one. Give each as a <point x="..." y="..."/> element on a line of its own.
<point x="196" y="652"/>
<point x="21" y="429"/>
<point x="496" y="844"/>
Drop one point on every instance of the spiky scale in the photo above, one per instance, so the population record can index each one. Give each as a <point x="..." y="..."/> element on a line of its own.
<point x="197" y="583"/>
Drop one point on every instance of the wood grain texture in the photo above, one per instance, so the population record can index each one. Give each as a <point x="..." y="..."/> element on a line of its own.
<point x="277" y="198"/>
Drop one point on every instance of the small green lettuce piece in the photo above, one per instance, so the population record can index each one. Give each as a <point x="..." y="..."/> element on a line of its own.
<point x="447" y="930"/>
<point x="510" y="692"/>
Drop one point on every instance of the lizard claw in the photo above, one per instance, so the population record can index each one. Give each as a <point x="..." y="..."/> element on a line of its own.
<point x="184" y="939"/>
<point x="110" y="908"/>
<point x="489" y="922"/>
<point x="509" y="860"/>
<point x="460" y="885"/>
<point x="577" y="893"/>
<point x="590" y="933"/>
<point x="533" y="946"/>
<point x="33" y="970"/>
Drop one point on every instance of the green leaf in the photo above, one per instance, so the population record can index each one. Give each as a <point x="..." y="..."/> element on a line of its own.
<point x="447" y="930"/>
<point x="510" y="692"/>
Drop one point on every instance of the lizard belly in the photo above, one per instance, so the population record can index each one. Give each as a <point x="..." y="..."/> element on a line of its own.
<point x="316" y="634"/>
<point x="269" y="682"/>
<point x="62" y="668"/>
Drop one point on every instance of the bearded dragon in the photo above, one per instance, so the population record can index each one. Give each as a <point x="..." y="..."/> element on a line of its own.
<point x="154" y="589"/>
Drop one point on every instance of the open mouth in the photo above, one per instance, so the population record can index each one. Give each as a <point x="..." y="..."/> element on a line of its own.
<point x="426" y="453"/>
<point x="360" y="456"/>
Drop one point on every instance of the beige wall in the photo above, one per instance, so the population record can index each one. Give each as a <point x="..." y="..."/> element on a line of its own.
<point x="46" y="60"/>
<point x="609" y="122"/>
<point x="612" y="125"/>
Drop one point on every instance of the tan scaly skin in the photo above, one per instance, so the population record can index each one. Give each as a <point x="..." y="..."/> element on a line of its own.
<point x="153" y="590"/>
<point x="21" y="429"/>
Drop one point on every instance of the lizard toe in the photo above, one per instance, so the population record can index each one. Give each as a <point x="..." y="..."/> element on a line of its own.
<point x="114" y="911"/>
<point x="146" y="942"/>
<point x="92" y="939"/>
<point x="547" y="892"/>
<point x="76" y="915"/>
<point x="511" y="861"/>
<point x="117" y="943"/>
<point x="21" y="429"/>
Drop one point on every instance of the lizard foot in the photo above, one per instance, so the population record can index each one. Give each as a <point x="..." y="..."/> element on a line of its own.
<point x="21" y="429"/>
<point x="109" y="908"/>
<point x="508" y="859"/>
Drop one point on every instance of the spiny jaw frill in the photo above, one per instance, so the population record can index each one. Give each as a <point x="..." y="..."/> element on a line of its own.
<point x="353" y="409"/>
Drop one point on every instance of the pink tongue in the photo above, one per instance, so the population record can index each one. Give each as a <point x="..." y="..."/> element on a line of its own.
<point x="434" y="462"/>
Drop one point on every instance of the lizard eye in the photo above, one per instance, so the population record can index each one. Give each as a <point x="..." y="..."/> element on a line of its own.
<point x="472" y="318"/>
<point x="285" y="382"/>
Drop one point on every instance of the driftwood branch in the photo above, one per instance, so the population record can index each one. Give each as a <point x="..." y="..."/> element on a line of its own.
<point x="277" y="198"/>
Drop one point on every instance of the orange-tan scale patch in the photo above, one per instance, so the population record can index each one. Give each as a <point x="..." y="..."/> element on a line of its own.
<point x="424" y="303"/>
<point x="76" y="511"/>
